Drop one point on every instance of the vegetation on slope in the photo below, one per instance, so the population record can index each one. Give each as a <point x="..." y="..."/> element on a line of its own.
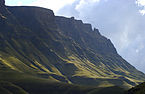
<point x="20" y="83"/>
<point x="37" y="47"/>
<point x="69" y="48"/>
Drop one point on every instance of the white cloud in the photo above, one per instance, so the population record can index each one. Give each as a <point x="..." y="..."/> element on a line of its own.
<point x="85" y="3"/>
<point x="141" y="3"/>
<point x="20" y="3"/>
<point x="55" y="5"/>
<point x="142" y="12"/>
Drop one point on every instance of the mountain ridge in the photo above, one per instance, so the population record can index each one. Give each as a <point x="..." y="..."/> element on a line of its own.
<point x="33" y="41"/>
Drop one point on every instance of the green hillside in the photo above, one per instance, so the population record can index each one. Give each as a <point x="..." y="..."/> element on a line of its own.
<point x="39" y="50"/>
<point x="13" y="82"/>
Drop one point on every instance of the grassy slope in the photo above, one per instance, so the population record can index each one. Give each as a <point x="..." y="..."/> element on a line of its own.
<point x="20" y="83"/>
<point x="42" y="48"/>
<point x="32" y="44"/>
<point x="9" y="88"/>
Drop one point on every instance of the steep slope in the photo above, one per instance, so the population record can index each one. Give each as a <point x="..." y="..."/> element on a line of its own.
<point x="34" y="42"/>
<point x="75" y="50"/>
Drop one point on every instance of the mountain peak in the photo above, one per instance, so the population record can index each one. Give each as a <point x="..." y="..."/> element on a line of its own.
<point x="35" y="41"/>
<point x="2" y="3"/>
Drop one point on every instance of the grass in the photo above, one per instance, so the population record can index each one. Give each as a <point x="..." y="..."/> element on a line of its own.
<point x="37" y="53"/>
<point x="13" y="82"/>
<point x="9" y="88"/>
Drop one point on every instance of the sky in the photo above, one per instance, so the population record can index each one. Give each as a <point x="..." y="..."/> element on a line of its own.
<point x="122" y="21"/>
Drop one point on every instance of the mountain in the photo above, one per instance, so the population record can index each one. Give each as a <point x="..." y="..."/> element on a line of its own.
<point x="39" y="51"/>
<point x="140" y="89"/>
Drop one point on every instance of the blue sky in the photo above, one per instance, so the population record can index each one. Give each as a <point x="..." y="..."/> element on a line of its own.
<point x="120" y="20"/>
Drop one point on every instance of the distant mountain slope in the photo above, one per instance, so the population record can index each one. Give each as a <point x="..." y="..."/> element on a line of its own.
<point x="35" y="42"/>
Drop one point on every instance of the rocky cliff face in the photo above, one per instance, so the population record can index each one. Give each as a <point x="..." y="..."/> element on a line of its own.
<point x="2" y="7"/>
<point x="35" y="42"/>
<point x="2" y="3"/>
<point x="83" y="34"/>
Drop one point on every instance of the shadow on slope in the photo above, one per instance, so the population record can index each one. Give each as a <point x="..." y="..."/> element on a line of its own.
<point x="140" y="89"/>
<point x="19" y="83"/>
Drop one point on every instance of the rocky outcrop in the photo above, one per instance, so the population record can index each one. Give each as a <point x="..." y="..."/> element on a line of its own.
<point x="83" y="34"/>
<point x="2" y="3"/>
<point x="2" y="6"/>
<point x="37" y="17"/>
